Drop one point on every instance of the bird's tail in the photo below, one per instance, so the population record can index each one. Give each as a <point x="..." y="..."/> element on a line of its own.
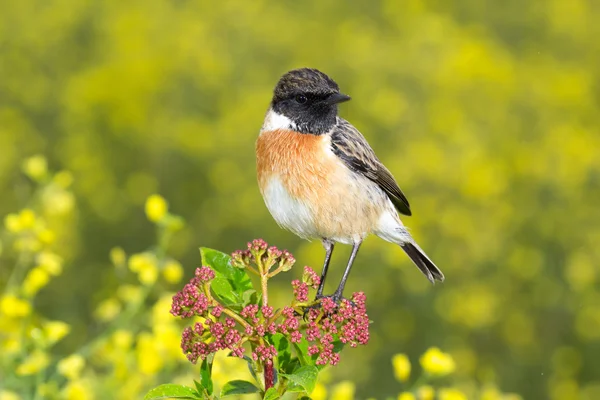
<point x="422" y="262"/>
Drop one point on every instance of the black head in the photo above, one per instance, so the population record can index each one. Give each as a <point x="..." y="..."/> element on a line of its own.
<point x="309" y="99"/>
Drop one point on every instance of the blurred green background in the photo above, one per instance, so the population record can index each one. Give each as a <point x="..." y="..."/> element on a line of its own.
<point x="486" y="112"/>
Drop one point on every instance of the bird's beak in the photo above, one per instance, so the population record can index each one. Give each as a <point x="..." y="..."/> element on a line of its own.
<point x="337" y="98"/>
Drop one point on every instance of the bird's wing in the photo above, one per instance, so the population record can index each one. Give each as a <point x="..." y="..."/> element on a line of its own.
<point x="352" y="148"/>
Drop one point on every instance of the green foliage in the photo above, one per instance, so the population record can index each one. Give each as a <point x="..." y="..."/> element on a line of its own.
<point x="232" y="286"/>
<point x="237" y="387"/>
<point x="171" y="391"/>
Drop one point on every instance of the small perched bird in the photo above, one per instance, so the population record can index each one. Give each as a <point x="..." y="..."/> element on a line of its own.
<point x="320" y="178"/>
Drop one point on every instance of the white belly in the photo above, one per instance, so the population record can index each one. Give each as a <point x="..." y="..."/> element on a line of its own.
<point x="288" y="212"/>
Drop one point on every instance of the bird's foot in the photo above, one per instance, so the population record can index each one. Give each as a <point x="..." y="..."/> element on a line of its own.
<point x="328" y="303"/>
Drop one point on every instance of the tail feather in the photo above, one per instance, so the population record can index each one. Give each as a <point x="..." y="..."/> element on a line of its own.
<point x="423" y="262"/>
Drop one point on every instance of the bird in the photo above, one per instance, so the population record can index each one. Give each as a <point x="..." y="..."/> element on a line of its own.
<point x="320" y="178"/>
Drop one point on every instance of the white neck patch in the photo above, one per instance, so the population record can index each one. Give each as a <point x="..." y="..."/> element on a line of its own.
<point x="274" y="121"/>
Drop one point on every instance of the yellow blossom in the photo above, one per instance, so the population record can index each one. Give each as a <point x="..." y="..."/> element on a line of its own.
<point x="78" y="390"/>
<point x="172" y="272"/>
<point x="401" y="365"/>
<point x="7" y="395"/>
<point x="406" y="396"/>
<point x="122" y="339"/>
<point x="156" y="208"/>
<point x="46" y="236"/>
<point x="10" y="346"/>
<point x="50" y="262"/>
<point x="12" y="306"/>
<point x="149" y="359"/>
<point x="27" y="219"/>
<point x="64" y="179"/>
<point x="129" y="293"/>
<point x="435" y="362"/>
<point x="12" y="223"/>
<point x="451" y="394"/>
<point x="425" y="392"/>
<point x="319" y="393"/>
<point x="148" y="274"/>
<point x="108" y="309"/>
<point x="36" y="279"/>
<point x="35" y="167"/>
<point x="56" y="330"/>
<point x="343" y="391"/>
<point x="118" y="256"/>
<point x="145" y="265"/>
<point x="58" y="201"/>
<point x="71" y="366"/>
<point x="33" y="363"/>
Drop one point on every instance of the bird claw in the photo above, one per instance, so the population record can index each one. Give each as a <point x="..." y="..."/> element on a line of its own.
<point x="337" y="299"/>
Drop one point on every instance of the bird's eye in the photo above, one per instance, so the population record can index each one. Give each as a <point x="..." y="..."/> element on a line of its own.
<point x="301" y="99"/>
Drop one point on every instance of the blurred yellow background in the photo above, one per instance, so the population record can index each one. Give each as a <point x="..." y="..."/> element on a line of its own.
<point x="486" y="112"/>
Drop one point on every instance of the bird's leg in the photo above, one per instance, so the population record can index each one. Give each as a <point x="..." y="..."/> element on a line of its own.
<point x="328" y="251"/>
<point x="337" y="296"/>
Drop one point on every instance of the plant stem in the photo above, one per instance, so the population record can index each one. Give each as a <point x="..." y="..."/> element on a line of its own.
<point x="264" y="278"/>
<point x="269" y="372"/>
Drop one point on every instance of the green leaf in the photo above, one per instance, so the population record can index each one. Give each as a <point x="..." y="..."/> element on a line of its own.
<point x="271" y="394"/>
<point x="302" y="352"/>
<point x="251" y="367"/>
<point x="205" y="374"/>
<point x="223" y="291"/>
<point x="199" y="387"/>
<point x="238" y="387"/>
<point x="237" y="278"/>
<point x="305" y="377"/>
<point x="284" y="354"/>
<point x="171" y="391"/>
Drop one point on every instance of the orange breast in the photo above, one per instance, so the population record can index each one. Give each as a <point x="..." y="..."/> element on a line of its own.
<point x="300" y="161"/>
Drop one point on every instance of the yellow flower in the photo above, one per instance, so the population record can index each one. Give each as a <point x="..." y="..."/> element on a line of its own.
<point x="12" y="306"/>
<point x="451" y="394"/>
<point x="7" y="395"/>
<point x="320" y="392"/>
<point x="118" y="256"/>
<point x="78" y="390"/>
<point x="35" y="167"/>
<point x="148" y="358"/>
<point x="144" y="264"/>
<point x="401" y="365"/>
<point x="26" y="219"/>
<point x="129" y="293"/>
<point x="64" y="179"/>
<point x="50" y="262"/>
<point x="56" y="330"/>
<point x="71" y="366"/>
<point x="156" y="208"/>
<point x="172" y="272"/>
<point x="425" y="392"/>
<point x="46" y="236"/>
<point x="435" y="362"/>
<point x="12" y="223"/>
<point x="343" y="391"/>
<point x="406" y="396"/>
<point x="34" y="363"/>
<point x="36" y="279"/>
<point x="148" y="274"/>
<point x="57" y="201"/>
<point x="108" y="309"/>
<point x="122" y="339"/>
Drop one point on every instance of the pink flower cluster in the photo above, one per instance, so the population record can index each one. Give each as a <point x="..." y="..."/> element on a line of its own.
<point x="321" y="325"/>
<point x="193" y="301"/>
<point x="259" y="250"/>
<point x="347" y="322"/>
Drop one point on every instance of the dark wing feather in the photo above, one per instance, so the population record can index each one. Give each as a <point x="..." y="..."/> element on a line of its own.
<point x="352" y="148"/>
